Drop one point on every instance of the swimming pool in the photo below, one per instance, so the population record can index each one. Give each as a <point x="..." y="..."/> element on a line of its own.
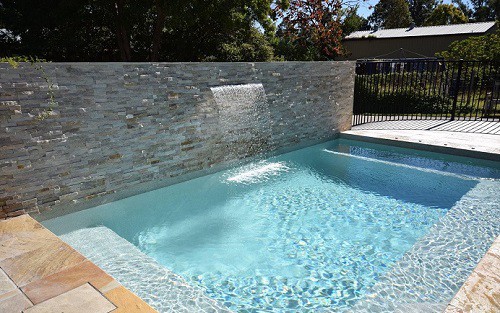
<point x="338" y="226"/>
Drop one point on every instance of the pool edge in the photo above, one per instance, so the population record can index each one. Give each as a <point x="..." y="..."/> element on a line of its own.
<point x="401" y="143"/>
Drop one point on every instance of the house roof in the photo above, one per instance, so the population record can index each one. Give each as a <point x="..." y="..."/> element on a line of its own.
<point x="469" y="28"/>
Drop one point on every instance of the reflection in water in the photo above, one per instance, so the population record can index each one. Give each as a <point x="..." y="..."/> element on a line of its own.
<point x="257" y="172"/>
<point x="310" y="230"/>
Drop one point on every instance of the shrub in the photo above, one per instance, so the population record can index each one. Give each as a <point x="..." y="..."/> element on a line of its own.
<point x="481" y="48"/>
<point x="401" y="103"/>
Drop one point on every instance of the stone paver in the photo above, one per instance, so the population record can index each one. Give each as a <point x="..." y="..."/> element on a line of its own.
<point x="37" y="268"/>
<point x="39" y="263"/>
<point x="19" y="224"/>
<point x="66" y="280"/>
<point x="6" y="284"/>
<point x="153" y="282"/>
<point x="127" y="303"/>
<point x="21" y="235"/>
<point x="14" y="302"/>
<point x="480" y="126"/>
<point x="81" y="299"/>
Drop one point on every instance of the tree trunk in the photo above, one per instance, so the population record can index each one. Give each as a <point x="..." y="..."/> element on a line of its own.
<point x="121" y="33"/>
<point x="158" y="30"/>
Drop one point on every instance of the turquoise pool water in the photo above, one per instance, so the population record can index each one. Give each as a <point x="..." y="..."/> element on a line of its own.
<point x="310" y="230"/>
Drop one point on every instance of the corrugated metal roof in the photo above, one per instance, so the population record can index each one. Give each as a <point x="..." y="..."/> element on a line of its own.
<point x="468" y="28"/>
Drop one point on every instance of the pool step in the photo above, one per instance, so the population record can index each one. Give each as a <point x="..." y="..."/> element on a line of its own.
<point x="158" y="286"/>
<point x="433" y="270"/>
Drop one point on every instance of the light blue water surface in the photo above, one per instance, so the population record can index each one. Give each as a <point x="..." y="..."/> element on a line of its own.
<point x="309" y="230"/>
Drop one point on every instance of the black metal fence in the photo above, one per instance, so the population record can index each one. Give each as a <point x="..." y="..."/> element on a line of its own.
<point x="412" y="89"/>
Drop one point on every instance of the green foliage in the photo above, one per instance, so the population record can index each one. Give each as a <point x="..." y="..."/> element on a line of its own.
<point x="94" y="30"/>
<point x="15" y="61"/>
<point x="421" y="9"/>
<point x="289" y="50"/>
<point x="372" y="98"/>
<point x="484" y="10"/>
<point x="58" y="30"/>
<point x="480" y="10"/>
<point x="429" y="89"/>
<point x="464" y="7"/>
<point x="404" y="102"/>
<point x="483" y="48"/>
<point x="446" y="14"/>
<point x="182" y="30"/>
<point x="408" y="103"/>
<point x="212" y="30"/>
<point x="391" y="14"/>
<point x="495" y="6"/>
<point x="253" y="46"/>
<point x="351" y="21"/>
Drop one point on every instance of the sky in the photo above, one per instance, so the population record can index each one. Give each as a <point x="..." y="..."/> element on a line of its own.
<point x="364" y="6"/>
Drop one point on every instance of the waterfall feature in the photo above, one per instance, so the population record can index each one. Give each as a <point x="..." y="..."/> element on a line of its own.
<point x="244" y="118"/>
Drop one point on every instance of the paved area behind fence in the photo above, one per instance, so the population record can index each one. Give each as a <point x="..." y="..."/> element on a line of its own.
<point x="466" y="138"/>
<point x="482" y="127"/>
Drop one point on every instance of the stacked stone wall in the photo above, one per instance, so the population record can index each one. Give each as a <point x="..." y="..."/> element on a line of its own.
<point x="118" y="128"/>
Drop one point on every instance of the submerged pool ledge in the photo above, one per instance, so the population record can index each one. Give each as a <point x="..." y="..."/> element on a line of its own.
<point x="41" y="273"/>
<point x="481" y="291"/>
<point x="163" y="289"/>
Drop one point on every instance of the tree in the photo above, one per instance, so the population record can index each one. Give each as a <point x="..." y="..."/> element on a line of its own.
<point x="391" y="14"/>
<point x="464" y="7"/>
<point x="309" y="29"/>
<point x="201" y="30"/>
<point x="420" y="10"/>
<point x="483" y="48"/>
<point x="253" y="46"/>
<point x="484" y="10"/>
<point x="351" y="21"/>
<point x="480" y="10"/>
<point x="174" y="30"/>
<point x="159" y="25"/>
<point x="446" y="14"/>
<point x="121" y="30"/>
<point x="53" y="29"/>
<point x="495" y="5"/>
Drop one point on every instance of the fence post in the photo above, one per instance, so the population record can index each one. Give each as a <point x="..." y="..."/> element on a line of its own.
<point x="457" y="88"/>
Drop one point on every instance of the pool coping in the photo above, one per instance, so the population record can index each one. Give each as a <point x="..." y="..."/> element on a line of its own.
<point x="41" y="273"/>
<point x="398" y="141"/>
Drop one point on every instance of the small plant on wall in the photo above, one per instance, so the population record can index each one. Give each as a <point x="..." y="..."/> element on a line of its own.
<point x="37" y="64"/>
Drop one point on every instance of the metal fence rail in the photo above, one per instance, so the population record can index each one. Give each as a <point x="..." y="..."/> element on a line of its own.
<point x="414" y="89"/>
